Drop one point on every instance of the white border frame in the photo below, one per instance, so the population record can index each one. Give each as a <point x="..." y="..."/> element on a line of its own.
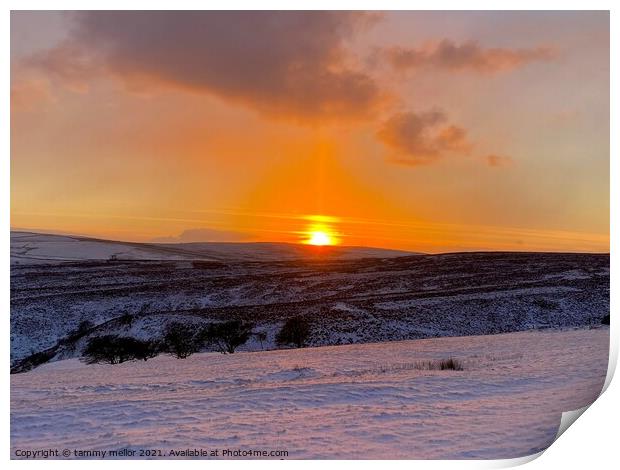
<point x="590" y="443"/>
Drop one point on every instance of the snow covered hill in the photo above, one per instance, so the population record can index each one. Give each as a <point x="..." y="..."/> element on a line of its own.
<point x="36" y="248"/>
<point x="368" y="401"/>
<point x="346" y="301"/>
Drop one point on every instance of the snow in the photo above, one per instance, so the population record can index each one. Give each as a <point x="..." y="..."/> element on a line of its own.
<point x="29" y="248"/>
<point x="346" y="301"/>
<point x="354" y="401"/>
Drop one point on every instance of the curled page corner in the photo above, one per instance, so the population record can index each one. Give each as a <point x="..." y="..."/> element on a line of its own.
<point x="568" y="418"/>
<point x="517" y="461"/>
<point x="566" y="421"/>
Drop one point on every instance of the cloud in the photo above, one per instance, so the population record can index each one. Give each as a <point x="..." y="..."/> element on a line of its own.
<point x="498" y="161"/>
<point x="422" y="138"/>
<point x="204" y="235"/>
<point x="290" y="65"/>
<point x="282" y="64"/>
<point x="29" y="94"/>
<point x="67" y="63"/>
<point x="467" y="56"/>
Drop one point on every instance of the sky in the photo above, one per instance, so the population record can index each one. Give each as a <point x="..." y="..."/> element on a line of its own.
<point x="423" y="131"/>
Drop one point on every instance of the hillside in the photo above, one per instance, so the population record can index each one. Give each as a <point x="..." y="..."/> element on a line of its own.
<point x="347" y="301"/>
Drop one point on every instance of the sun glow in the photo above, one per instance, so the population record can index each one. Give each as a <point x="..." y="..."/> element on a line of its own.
<point x="321" y="231"/>
<point x="319" y="238"/>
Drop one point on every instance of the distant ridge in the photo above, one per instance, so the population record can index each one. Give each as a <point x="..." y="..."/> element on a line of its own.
<point x="40" y="248"/>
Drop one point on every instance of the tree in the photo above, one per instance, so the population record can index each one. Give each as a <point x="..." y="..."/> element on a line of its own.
<point x="228" y="336"/>
<point x="112" y="349"/>
<point x="182" y="340"/>
<point x="295" y="330"/>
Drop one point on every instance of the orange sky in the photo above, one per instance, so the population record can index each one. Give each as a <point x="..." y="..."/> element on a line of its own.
<point x="422" y="131"/>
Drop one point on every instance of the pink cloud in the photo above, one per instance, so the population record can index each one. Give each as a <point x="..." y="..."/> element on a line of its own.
<point x="422" y="138"/>
<point x="466" y="56"/>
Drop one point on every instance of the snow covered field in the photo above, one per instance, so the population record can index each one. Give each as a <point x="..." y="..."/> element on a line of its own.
<point x="353" y="401"/>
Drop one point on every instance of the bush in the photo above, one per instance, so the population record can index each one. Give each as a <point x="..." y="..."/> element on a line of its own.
<point x="429" y="365"/>
<point x="295" y="330"/>
<point x="450" y="364"/>
<point x="228" y="336"/>
<point x="126" y="319"/>
<point x="112" y="349"/>
<point x="605" y="320"/>
<point x="440" y="364"/>
<point x="182" y="340"/>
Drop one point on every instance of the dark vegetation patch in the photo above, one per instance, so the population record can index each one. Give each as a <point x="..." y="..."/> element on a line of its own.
<point x="182" y="340"/>
<point x="228" y="336"/>
<point x="33" y="360"/>
<point x="295" y="331"/>
<point x="113" y="349"/>
<point x="436" y="364"/>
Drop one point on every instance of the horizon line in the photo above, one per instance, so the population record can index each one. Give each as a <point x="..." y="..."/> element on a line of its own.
<point x="96" y="238"/>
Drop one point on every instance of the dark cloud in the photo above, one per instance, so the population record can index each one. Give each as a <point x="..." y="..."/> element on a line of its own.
<point x="283" y="64"/>
<point x="204" y="235"/>
<point x="467" y="56"/>
<point x="422" y="138"/>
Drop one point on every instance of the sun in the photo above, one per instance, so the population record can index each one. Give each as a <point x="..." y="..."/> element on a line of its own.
<point x="320" y="231"/>
<point x="320" y="238"/>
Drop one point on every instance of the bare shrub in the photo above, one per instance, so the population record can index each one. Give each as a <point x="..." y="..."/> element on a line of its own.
<point x="112" y="349"/>
<point x="450" y="364"/>
<point x="440" y="364"/>
<point x="227" y="336"/>
<point x="182" y="340"/>
<point x="295" y="330"/>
